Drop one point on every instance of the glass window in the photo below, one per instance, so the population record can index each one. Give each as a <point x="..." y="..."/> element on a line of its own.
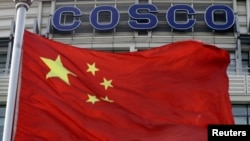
<point x="3" y="53"/>
<point x="240" y="120"/>
<point x="181" y="16"/>
<point x="2" y="115"/>
<point x="232" y="65"/>
<point x="104" y="16"/>
<point x="3" y="57"/>
<point x="220" y="17"/>
<point x="245" y="62"/>
<point x="143" y="1"/>
<point x="241" y="113"/>
<point x="240" y="110"/>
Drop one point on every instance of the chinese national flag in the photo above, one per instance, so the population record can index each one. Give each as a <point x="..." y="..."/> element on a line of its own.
<point x="168" y="93"/>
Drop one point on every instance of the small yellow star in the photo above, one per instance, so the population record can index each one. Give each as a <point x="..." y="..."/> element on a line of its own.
<point x="92" y="99"/>
<point x="57" y="69"/>
<point x="107" y="99"/>
<point x="106" y="83"/>
<point x="92" y="68"/>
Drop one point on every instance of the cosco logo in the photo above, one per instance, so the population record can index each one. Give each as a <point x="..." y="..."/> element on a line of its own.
<point x="150" y="19"/>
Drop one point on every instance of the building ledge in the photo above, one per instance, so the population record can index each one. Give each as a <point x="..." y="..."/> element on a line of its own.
<point x="240" y="99"/>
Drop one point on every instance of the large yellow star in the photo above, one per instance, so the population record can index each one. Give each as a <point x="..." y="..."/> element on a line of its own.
<point x="92" y="99"/>
<point x="92" y="68"/>
<point x="57" y="69"/>
<point x="106" y="83"/>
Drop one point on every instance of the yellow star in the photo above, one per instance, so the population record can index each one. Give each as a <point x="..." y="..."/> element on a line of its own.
<point x="92" y="99"/>
<point x="107" y="99"/>
<point x="57" y="69"/>
<point x="92" y="68"/>
<point x="106" y="83"/>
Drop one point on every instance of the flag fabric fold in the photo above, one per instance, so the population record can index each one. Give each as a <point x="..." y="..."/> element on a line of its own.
<point x="172" y="92"/>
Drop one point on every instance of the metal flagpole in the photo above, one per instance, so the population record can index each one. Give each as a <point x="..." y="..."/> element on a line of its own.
<point x="21" y="7"/>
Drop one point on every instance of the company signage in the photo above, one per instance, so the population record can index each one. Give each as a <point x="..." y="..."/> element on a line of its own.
<point x="150" y="19"/>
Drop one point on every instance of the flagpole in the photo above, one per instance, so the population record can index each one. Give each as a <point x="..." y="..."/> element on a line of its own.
<point x="22" y="7"/>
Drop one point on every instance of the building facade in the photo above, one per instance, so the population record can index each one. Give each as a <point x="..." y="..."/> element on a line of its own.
<point x="132" y="25"/>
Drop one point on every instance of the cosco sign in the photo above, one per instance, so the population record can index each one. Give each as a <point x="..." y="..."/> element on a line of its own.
<point x="150" y="19"/>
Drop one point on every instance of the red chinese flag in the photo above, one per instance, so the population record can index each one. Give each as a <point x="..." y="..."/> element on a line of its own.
<point x="170" y="92"/>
